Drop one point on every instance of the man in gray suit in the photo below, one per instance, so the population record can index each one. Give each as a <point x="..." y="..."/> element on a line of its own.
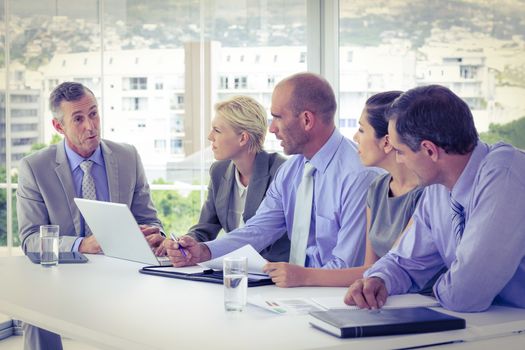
<point x="52" y="177"/>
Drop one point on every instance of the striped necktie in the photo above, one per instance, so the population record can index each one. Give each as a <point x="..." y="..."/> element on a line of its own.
<point x="458" y="218"/>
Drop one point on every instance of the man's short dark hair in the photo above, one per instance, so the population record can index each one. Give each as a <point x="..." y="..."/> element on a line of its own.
<point x="436" y="114"/>
<point x="311" y="92"/>
<point x="67" y="91"/>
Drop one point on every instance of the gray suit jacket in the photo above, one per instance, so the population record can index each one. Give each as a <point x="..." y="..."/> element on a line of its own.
<point x="46" y="191"/>
<point x="214" y="213"/>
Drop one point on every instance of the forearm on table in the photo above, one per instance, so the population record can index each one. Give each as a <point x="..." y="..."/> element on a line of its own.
<point x="333" y="277"/>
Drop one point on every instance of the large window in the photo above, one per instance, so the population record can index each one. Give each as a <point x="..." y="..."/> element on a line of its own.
<point x="476" y="48"/>
<point x="155" y="67"/>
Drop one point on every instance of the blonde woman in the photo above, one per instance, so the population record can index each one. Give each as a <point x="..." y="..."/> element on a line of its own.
<point x="242" y="173"/>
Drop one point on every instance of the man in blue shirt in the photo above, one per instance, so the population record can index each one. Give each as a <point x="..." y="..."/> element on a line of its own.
<point x="303" y="108"/>
<point x="470" y="218"/>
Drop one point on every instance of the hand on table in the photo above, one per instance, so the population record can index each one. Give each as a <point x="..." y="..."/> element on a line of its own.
<point x="367" y="293"/>
<point x="285" y="275"/>
<point x="89" y="245"/>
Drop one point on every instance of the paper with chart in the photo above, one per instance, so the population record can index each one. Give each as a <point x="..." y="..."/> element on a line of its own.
<point x="255" y="262"/>
<point x="284" y="306"/>
<point x="301" y="305"/>
<point x="394" y="301"/>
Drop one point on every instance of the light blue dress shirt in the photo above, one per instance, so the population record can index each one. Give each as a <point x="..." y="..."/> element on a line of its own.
<point x="488" y="265"/>
<point x="98" y="172"/>
<point x="337" y="230"/>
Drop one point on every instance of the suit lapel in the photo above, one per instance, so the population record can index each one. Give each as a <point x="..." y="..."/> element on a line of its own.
<point x="111" y="163"/>
<point x="258" y="185"/>
<point x="66" y="180"/>
<point x="223" y="196"/>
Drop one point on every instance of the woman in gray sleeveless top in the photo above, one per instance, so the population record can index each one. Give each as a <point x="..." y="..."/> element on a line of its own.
<point x="392" y="197"/>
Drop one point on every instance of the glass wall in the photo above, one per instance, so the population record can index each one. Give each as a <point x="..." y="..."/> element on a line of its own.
<point x="156" y="67"/>
<point x="3" y="135"/>
<point x="474" y="47"/>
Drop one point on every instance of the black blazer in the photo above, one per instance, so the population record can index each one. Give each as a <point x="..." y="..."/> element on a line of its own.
<point x="214" y="213"/>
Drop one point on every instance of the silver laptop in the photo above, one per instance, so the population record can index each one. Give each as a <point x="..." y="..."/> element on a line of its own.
<point x="117" y="232"/>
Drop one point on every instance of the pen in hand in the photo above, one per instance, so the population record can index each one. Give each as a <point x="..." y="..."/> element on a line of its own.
<point x="173" y="237"/>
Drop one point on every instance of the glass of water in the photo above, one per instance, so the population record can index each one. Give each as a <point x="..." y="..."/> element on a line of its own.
<point x="49" y="245"/>
<point x="235" y="283"/>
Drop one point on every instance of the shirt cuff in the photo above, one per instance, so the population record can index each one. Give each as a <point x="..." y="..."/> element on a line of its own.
<point x="383" y="276"/>
<point x="76" y="245"/>
<point x="217" y="248"/>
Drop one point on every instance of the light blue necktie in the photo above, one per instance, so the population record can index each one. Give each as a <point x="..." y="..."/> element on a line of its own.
<point x="302" y="216"/>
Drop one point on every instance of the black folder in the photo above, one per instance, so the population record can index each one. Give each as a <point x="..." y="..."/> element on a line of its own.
<point x="211" y="276"/>
<point x="346" y="323"/>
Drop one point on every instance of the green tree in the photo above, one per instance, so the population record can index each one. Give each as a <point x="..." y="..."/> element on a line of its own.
<point x="3" y="211"/>
<point x="56" y="138"/>
<point x="3" y="197"/>
<point x="177" y="212"/>
<point x="513" y="133"/>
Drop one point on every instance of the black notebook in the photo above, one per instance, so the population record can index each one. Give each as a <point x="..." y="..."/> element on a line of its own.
<point x="346" y="323"/>
<point x="212" y="276"/>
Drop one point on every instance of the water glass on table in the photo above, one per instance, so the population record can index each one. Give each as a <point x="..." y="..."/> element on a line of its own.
<point x="235" y="283"/>
<point x="49" y="245"/>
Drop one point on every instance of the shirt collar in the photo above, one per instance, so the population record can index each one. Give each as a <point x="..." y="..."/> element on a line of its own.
<point x="240" y="187"/>
<point x="322" y="158"/>
<point x="462" y="187"/>
<point x="75" y="159"/>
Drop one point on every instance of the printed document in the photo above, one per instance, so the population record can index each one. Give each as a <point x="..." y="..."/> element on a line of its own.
<point x="255" y="261"/>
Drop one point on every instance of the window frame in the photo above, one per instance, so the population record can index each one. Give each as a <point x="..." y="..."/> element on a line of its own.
<point x="322" y="21"/>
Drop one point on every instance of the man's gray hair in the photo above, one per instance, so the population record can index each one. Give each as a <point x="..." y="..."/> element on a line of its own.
<point x="67" y="91"/>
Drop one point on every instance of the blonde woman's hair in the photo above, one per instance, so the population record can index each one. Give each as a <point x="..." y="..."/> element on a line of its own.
<point x="243" y="113"/>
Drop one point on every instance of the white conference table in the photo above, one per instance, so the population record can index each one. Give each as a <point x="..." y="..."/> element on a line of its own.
<point x="108" y="304"/>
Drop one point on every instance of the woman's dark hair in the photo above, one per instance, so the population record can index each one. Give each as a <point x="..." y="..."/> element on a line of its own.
<point x="376" y="107"/>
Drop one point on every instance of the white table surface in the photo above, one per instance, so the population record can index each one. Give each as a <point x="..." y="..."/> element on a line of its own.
<point x="108" y="304"/>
